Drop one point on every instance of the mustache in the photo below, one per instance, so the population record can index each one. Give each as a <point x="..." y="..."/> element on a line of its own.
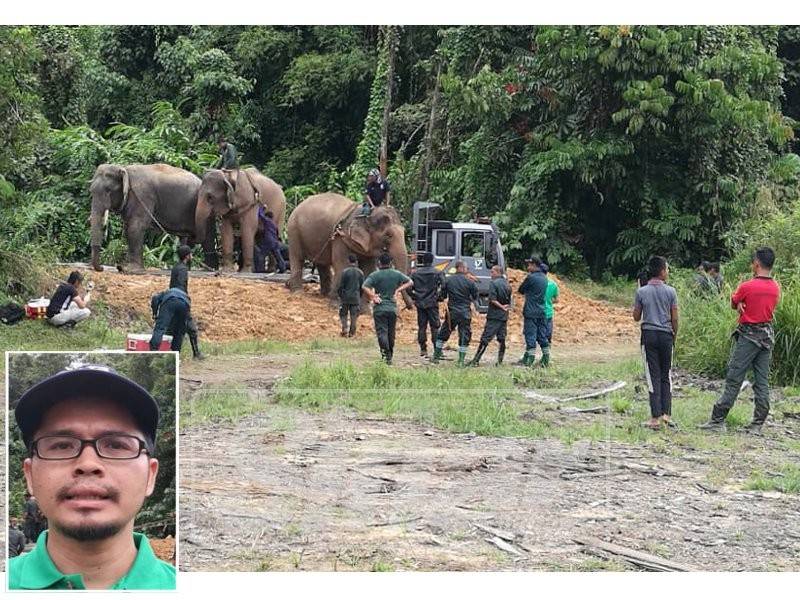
<point x="69" y="491"/>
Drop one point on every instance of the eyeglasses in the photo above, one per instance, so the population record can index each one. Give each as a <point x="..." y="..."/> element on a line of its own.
<point x="65" y="447"/>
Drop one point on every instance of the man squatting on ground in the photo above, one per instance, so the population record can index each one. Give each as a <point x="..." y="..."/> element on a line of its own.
<point x="381" y="286"/>
<point x="67" y="306"/>
<point x="755" y="300"/>
<point x="427" y="287"/>
<point x="534" y="327"/>
<point x="90" y="434"/>
<point x="461" y="292"/>
<point x="656" y="306"/>
<point x="496" y="317"/>
<point x="349" y="292"/>
<point x="179" y="278"/>
<point x="172" y="309"/>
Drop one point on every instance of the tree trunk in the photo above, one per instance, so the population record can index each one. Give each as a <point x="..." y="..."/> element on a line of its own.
<point x="426" y="166"/>
<point x="392" y="35"/>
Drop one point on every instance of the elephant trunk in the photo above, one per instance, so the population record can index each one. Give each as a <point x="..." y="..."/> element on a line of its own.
<point x="201" y="218"/>
<point x="96" y="219"/>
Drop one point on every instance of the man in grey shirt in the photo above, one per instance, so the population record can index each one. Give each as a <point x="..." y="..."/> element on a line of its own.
<point x="656" y="306"/>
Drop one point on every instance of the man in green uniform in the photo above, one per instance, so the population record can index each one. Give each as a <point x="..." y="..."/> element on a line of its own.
<point x="227" y="156"/>
<point x="461" y="292"/>
<point x="349" y="293"/>
<point x="381" y="286"/>
<point x="496" y="317"/>
<point x="535" y="323"/>
<point x="90" y="435"/>
<point x="550" y="298"/>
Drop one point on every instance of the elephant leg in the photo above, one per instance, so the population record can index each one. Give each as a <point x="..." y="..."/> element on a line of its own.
<point x="339" y="262"/>
<point x="296" y="265"/>
<point x="247" y="232"/>
<point x="227" y="246"/>
<point x="324" y="279"/>
<point x="134" y="234"/>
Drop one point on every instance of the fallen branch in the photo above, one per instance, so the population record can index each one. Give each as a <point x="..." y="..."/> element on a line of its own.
<point x="531" y="395"/>
<point x="584" y="474"/>
<point x="239" y="516"/>
<point x="504" y="535"/>
<point x="369" y="476"/>
<point x="400" y="522"/>
<point x="505" y="546"/>
<point x="595" y="409"/>
<point x="651" y="562"/>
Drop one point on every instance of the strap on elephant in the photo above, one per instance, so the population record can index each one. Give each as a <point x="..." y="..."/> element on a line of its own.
<point x="152" y="216"/>
<point x="336" y="231"/>
<point x="256" y="197"/>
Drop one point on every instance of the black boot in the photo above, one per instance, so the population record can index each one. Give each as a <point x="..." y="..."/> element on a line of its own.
<point x="478" y="354"/>
<point x="501" y="353"/>
<point x="195" y="347"/>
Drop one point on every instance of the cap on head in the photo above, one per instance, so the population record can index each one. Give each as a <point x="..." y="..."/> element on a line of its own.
<point x="183" y="252"/>
<point x="544" y="267"/>
<point x="425" y="258"/>
<point x="384" y="260"/>
<point x="85" y="380"/>
<point x="352" y="259"/>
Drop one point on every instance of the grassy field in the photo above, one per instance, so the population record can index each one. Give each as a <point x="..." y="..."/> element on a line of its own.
<point x="492" y="402"/>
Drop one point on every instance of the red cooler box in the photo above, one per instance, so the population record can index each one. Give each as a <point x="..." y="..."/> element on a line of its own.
<point x="140" y="342"/>
<point x="37" y="309"/>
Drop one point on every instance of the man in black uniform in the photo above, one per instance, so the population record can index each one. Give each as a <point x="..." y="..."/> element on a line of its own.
<point x="496" y="317"/>
<point x="179" y="278"/>
<point x="32" y="518"/>
<point x="428" y="283"/>
<point x="460" y="292"/>
<point x="376" y="193"/>
<point x="349" y="293"/>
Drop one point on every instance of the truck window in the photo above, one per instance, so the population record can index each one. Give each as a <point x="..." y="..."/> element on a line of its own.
<point x="445" y="243"/>
<point x="473" y="244"/>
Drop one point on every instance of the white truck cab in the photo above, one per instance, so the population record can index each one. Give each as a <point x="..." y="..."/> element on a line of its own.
<point x="477" y="244"/>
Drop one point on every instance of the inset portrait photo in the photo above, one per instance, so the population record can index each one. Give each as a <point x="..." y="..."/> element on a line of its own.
<point x="91" y="470"/>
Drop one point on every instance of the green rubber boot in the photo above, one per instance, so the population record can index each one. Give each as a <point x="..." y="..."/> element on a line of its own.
<point x="462" y="354"/>
<point x="545" y="362"/>
<point x="437" y="354"/>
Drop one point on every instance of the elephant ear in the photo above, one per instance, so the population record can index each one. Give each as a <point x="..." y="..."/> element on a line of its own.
<point x="358" y="238"/>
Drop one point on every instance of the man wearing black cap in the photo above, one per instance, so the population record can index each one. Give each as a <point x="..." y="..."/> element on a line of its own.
<point x="90" y="434"/>
<point x="535" y="321"/>
<point x="179" y="278"/>
<point x="381" y="286"/>
<point x="427" y="287"/>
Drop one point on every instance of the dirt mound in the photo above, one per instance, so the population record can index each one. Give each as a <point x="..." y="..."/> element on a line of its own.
<point x="236" y="309"/>
<point x="164" y="548"/>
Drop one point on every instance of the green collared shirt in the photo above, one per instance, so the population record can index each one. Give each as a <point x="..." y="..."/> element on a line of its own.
<point x="36" y="571"/>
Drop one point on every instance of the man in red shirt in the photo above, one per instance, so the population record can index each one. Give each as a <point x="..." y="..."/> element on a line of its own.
<point x="755" y="300"/>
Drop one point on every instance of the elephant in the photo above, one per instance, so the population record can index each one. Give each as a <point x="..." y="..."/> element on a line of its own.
<point x="326" y="229"/>
<point x="231" y="196"/>
<point x="147" y="196"/>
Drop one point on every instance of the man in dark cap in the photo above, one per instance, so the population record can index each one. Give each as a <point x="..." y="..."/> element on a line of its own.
<point x="535" y="321"/>
<point x="427" y="287"/>
<point x="90" y="435"/>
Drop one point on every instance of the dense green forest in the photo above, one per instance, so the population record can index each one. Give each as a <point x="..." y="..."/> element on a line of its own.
<point x="155" y="373"/>
<point x="593" y="146"/>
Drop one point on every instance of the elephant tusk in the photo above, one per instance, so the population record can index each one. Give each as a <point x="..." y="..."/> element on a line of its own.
<point x="105" y="218"/>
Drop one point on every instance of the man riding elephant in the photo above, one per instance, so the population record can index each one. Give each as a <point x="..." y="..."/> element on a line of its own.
<point x="159" y="196"/>
<point x="327" y="228"/>
<point x="227" y="156"/>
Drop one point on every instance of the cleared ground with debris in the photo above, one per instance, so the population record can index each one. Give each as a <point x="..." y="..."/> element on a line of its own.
<point x="285" y="488"/>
